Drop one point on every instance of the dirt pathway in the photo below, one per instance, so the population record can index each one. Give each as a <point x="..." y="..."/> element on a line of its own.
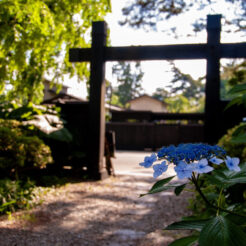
<point x="107" y="212"/>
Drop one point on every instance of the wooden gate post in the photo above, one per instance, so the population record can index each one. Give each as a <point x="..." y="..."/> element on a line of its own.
<point x="212" y="87"/>
<point x="96" y="136"/>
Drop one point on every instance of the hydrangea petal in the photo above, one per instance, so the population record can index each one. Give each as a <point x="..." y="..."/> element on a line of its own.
<point x="216" y="160"/>
<point x="203" y="167"/>
<point x="148" y="160"/>
<point x="183" y="170"/>
<point x="232" y="163"/>
<point x="159" y="169"/>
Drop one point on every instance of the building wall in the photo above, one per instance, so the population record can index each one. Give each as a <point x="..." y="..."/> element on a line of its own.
<point x="147" y="103"/>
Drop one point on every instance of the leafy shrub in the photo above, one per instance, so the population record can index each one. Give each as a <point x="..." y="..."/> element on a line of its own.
<point x="18" y="149"/>
<point x="15" y="195"/>
<point x="232" y="148"/>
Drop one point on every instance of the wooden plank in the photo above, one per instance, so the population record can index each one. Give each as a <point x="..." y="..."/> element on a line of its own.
<point x="233" y="50"/>
<point x="156" y="52"/>
<point x="79" y="54"/>
<point x="96" y="104"/>
<point x="160" y="52"/>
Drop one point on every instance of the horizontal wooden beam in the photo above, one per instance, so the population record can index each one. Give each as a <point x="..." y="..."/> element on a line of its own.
<point x="133" y="53"/>
<point x="151" y="116"/>
<point x="80" y="54"/>
<point x="160" y="52"/>
<point x="237" y="50"/>
<point x="156" y="52"/>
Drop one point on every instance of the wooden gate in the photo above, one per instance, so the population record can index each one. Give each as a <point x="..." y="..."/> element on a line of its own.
<point x="99" y="53"/>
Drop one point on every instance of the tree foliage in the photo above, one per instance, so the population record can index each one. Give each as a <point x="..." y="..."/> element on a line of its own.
<point x="183" y="94"/>
<point x="161" y="94"/>
<point x="185" y="84"/>
<point x="35" y="38"/>
<point x="147" y="13"/>
<point x="129" y="79"/>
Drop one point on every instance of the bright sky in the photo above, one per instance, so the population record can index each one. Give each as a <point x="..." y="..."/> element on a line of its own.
<point x="157" y="73"/>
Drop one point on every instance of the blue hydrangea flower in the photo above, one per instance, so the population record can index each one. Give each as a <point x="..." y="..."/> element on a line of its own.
<point x="159" y="169"/>
<point x="232" y="163"/>
<point x="216" y="160"/>
<point x="148" y="160"/>
<point x="184" y="170"/>
<point x="190" y="158"/>
<point x="203" y="167"/>
<point x="190" y="152"/>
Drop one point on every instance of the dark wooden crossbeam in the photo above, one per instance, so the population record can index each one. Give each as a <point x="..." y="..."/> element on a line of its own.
<point x="151" y="116"/>
<point x="160" y="52"/>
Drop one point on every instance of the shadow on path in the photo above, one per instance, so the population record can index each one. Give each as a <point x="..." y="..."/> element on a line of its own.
<point x="107" y="212"/>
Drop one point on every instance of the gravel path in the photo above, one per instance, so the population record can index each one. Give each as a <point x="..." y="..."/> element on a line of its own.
<point x="107" y="212"/>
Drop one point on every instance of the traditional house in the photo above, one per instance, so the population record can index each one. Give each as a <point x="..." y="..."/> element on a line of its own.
<point x="50" y="91"/>
<point x="147" y="103"/>
<point x="52" y="97"/>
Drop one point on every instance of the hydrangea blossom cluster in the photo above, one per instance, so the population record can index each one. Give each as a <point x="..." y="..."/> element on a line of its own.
<point x="189" y="158"/>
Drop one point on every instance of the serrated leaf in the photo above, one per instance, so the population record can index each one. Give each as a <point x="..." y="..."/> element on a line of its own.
<point x="187" y="225"/>
<point x="179" y="189"/>
<point x="226" y="178"/>
<point x="185" y="241"/>
<point x="221" y="231"/>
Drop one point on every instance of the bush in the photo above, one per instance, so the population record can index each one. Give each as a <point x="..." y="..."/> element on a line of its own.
<point x="19" y="149"/>
<point x="15" y="195"/>
<point x="233" y="149"/>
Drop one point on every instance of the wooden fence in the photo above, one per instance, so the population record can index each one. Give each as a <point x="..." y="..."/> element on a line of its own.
<point x="152" y="136"/>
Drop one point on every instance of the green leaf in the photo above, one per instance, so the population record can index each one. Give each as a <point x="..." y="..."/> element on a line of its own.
<point x="62" y="135"/>
<point x="185" y="241"/>
<point x="239" y="139"/>
<point x="241" y="88"/>
<point x="179" y="189"/>
<point x="234" y="101"/>
<point x="161" y="182"/>
<point x="221" y="231"/>
<point x="6" y="204"/>
<point x="159" y="186"/>
<point x="238" y="220"/>
<point x="187" y="225"/>
<point x="160" y="189"/>
<point x="226" y="178"/>
<point x="241" y="129"/>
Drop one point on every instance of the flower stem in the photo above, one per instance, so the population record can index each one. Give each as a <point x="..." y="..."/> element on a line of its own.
<point x="217" y="208"/>
<point x="219" y="201"/>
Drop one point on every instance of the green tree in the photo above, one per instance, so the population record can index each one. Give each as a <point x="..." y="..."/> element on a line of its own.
<point x="34" y="41"/>
<point x="147" y="13"/>
<point x="184" y="83"/>
<point x="161" y="94"/>
<point x="184" y="93"/>
<point x="129" y="81"/>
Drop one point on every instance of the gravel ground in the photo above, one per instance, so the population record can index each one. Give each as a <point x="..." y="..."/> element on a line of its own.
<point x="102" y="213"/>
